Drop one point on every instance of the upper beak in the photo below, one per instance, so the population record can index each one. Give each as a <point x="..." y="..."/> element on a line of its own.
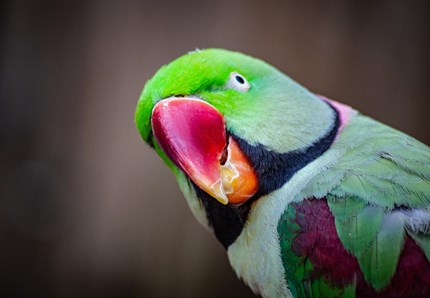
<point x="193" y="135"/>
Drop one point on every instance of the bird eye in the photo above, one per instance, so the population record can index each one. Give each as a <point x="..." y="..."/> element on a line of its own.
<point x="238" y="82"/>
<point x="239" y="79"/>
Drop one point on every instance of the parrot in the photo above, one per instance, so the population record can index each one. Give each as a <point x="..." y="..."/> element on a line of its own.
<point x="309" y="197"/>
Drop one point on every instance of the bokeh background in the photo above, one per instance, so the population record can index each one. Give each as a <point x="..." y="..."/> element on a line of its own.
<point x="86" y="208"/>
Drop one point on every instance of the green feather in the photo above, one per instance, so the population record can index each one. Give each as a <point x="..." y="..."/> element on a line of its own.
<point x="320" y="288"/>
<point x="374" y="237"/>
<point x="357" y="225"/>
<point x="379" y="261"/>
<point x="376" y="169"/>
<point x="379" y="168"/>
<point x="383" y="166"/>
<point x="296" y="270"/>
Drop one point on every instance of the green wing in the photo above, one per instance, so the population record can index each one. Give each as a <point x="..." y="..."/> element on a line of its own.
<point x="377" y="192"/>
<point x="385" y="175"/>
<point x="373" y="235"/>
<point x="383" y="166"/>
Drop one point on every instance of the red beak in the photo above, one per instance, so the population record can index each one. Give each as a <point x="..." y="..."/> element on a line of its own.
<point x="193" y="135"/>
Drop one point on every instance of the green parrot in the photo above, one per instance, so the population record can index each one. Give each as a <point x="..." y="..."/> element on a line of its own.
<point x="309" y="197"/>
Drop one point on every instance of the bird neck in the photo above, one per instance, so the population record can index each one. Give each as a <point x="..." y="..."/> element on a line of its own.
<point x="273" y="170"/>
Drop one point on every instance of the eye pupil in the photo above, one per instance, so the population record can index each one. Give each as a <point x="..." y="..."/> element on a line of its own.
<point x="237" y="82"/>
<point x="240" y="79"/>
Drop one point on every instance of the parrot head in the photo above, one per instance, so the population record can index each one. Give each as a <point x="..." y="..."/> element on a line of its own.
<point x="237" y="127"/>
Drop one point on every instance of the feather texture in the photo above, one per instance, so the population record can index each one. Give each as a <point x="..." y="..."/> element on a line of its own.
<point x="377" y="190"/>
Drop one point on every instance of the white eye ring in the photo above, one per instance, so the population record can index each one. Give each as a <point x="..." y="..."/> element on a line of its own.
<point x="238" y="82"/>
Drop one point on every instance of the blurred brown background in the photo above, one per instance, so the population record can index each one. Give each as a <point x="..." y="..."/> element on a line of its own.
<point x="86" y="208"/>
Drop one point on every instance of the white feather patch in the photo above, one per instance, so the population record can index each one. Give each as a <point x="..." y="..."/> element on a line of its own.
<point x="417" y="220"/>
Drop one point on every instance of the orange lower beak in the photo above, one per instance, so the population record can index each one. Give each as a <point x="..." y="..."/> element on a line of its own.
<point x="192" y="133"/>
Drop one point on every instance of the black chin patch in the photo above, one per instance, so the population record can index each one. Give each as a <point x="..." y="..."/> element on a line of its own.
<point x="227" y="221"/>
<point x="273" y="171"/>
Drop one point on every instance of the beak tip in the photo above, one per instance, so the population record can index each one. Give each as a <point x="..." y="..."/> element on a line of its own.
<point x="217" y="192"/>
<point x="223" y="201"/>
